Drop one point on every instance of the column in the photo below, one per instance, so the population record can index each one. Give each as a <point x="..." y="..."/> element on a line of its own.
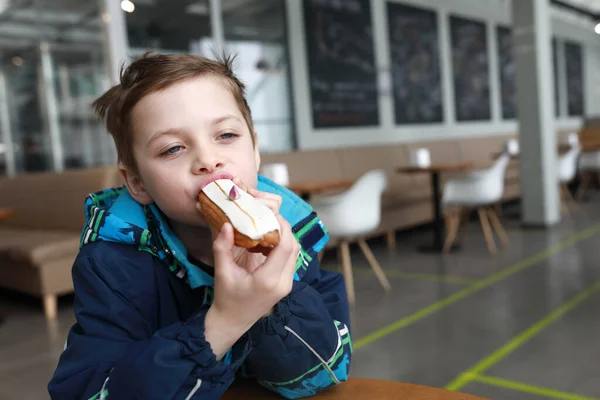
<point x="535" y="98"/>
<point x="49" y="106"/>
<point x="116" y="44"/>
<point x="116" y="55"/>
<point x="216" y="24"/>
<point x="6" y="135"/>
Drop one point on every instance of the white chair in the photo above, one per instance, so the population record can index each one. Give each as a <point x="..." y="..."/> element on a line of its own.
<point x="479" y="190"/>
<point x="572" y="139"/>
<point x="351" y="215"/>
<point x="566" y="171"/>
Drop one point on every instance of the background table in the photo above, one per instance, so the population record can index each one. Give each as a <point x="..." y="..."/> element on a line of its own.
<point x="4" y="213"/>
<point x="354" y="388"/>
<point x="435" y="171"/>
<point x="305" y="189"/>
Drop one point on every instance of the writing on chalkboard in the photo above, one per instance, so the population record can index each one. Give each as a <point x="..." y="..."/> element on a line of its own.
<point x="415" y="64"/>
<point x="342" y="72"/>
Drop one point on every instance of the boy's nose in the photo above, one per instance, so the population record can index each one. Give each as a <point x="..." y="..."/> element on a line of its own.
<point x="207" y="166"/>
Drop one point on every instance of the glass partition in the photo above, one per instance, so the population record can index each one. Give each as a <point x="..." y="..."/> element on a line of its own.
<point x="255" y="30"/>
<point x="52" y="61"/>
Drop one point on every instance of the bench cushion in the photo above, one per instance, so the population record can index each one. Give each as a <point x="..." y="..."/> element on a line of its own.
<point x="37" y="246"/>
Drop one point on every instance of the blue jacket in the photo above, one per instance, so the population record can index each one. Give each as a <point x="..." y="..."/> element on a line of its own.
<point x="140" y="306"/>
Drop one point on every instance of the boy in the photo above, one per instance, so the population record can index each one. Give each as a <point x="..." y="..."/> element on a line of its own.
<point x="168" y="309"/>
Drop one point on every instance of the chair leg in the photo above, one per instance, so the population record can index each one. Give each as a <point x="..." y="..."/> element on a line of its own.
<point x="498" y="208"/>
<point x="487" y="230"/>
<point x="50" y="306"/>
<point x="463" y="219"/>
<point x="585" y="183"/>
<point x="452" y="225"/>
<point x="564" y="208"/>
<point x="375" y="265"/>
<point x="569" y="201"/>
<point x="391" y="240"/>
<point x="497" y="225"/>
<point x="347" y="268"/>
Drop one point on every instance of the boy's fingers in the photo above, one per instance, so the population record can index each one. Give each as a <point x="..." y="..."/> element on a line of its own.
<point x="279" y="256"/>
<point x="290" y="266"/>
<point x="272" y="204"/>
<point x="223" y="248"/>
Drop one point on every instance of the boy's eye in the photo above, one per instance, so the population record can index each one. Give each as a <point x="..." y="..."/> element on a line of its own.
<point x="173" y="150"/>
<point x="227" y="136"/>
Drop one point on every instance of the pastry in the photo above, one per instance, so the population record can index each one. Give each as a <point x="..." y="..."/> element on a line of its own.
<point x="255" y="225"/>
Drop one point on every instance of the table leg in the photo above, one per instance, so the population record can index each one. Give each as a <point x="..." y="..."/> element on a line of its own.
<point x="438" y="221"/>
<point x="438" y="229"/>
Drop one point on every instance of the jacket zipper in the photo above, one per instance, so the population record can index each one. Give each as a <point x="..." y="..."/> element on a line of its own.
<point x="304" y="222"/>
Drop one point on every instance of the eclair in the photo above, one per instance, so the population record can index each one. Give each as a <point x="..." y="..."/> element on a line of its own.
<point x="255" y="226"/>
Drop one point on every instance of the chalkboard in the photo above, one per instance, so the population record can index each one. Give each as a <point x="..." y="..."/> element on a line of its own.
<point x="414" y="52"/>
<point x="470" y="66"/>
<point x="574" y="67"/>
<point x="507" y="71"/>
<point x="341" y="63"/>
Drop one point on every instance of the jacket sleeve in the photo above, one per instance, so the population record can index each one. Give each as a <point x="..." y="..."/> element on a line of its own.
<point x="114" y="353"/>
<point x="305" y="346"/>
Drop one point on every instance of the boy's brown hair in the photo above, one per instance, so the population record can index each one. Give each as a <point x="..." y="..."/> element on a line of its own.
<point x="155" y="72"/>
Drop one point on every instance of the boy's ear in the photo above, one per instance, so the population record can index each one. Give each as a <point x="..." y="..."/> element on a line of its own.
<point x="256" y="152"/>
<point x="135" y="186"/>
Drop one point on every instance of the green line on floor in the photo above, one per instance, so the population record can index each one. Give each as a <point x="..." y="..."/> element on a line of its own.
<point x="418" y="276"/>
<point x="531" y="389"/>
<point x="518" y="267"/>
<point x="390" y="273"/>
<point x="517" y="341"/>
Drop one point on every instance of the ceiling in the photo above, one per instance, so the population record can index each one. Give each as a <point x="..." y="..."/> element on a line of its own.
<point x="73" y="26"/>
<point x="592" y="6"/>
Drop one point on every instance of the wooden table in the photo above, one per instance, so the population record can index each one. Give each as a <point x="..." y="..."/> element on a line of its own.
<point x="434" y="171"/>
<point x="355" y="388"/>
<point x="4" y="213"/>
<point x="305" y="189"/>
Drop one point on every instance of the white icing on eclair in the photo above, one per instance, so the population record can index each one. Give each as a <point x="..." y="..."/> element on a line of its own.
<point x="248" y="216"/>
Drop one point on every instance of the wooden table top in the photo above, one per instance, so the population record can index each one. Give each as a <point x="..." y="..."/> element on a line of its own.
<point x="355" y="388"/>
<point x="5" y="213"/>
<point x="437" y="168"/>
<point x="319" y="186"/>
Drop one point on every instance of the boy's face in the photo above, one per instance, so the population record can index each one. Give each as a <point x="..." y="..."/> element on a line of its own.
<point x="185" y="136"/>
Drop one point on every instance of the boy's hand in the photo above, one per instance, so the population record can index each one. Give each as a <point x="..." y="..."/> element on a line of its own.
<point x="246" y="290"/>
<point x="273" y="201"/>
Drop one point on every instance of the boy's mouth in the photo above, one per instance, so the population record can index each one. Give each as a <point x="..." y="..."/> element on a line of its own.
<point x="215" y="177"/>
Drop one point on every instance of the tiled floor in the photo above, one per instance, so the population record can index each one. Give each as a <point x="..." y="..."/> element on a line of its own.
<point x="444" y="316"/>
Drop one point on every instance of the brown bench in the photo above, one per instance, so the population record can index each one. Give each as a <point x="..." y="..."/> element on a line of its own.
<point x="39" y="242"/>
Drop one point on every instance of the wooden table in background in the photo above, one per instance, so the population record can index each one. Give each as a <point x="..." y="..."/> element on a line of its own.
<point x="4" y="213"/>
<point x="355" y="388"/>
<point x="305" y="189"/>
<point x="434" y="171"/>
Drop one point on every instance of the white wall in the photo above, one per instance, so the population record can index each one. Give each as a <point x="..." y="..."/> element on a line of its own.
<point x="492" y="12"/>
